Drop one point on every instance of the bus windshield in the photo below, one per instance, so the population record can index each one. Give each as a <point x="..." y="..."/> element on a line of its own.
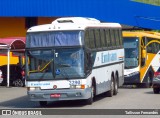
<point x="131" y="52"/>
<point x="56" y="38"/>
<point x="51" y="64"/>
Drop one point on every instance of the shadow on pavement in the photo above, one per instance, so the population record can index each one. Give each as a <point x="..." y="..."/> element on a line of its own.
<point x="21" y="102"/>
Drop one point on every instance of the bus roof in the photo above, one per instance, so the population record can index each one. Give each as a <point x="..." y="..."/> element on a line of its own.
<point x="72" y="23"/>
<point x="141" y="34"/>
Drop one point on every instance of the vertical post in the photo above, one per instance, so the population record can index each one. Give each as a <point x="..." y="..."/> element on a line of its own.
<point x="8" y="68"/>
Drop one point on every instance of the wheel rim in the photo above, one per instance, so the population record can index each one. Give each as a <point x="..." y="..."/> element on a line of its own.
<point x="92" y="91"/>
<point x="18" y="83"/>
<point x="116" y="86"/>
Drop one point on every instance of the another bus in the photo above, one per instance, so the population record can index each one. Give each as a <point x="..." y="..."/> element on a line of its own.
<point x="142" y="57"/>
<point x="74" y="58"/>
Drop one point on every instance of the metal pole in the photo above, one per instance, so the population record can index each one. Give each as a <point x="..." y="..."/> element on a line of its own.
<point x="8" y="68"/>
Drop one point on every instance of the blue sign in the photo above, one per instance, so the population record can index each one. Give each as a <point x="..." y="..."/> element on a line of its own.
<point x="58" y="71"/>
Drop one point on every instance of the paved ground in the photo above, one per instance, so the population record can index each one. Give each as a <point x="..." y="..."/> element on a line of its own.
<point x="127" y="98"/>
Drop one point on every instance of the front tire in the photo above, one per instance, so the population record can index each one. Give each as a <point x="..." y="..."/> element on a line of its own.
<point x="43" y="103"/>
<point x="156" y="90"/>
<point x="110" y="92"/>
<point x="93" y="92"/>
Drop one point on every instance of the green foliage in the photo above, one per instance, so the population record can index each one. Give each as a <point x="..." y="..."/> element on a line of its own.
<point x="152" y="2"/>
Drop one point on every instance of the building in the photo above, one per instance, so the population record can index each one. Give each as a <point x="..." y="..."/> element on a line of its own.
<point x="16" y="16"/>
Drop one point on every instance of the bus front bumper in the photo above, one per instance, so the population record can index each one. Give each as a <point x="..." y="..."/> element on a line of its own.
<point x="58" y="95"/>
<point x="132" y="79"/>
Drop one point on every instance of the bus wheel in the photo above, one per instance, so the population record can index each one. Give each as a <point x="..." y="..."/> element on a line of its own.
<point x="115" y="86"/>
<point x="156" y="90"/>
<point x="110" y="92"/>
<point x="90" y="100"/>
<point x="43" y="103"/>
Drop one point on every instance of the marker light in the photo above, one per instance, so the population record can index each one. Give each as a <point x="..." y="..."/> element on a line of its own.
<point x="78" y="86"/>
<point x="33" y="88"/>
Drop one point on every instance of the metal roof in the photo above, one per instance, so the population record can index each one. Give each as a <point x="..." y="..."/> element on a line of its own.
<point x="72" y="23"/>
<point x="121" y="11"/>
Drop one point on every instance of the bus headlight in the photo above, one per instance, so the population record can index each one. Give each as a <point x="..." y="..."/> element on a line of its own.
<point x="77" y="86"/>
<point x="33" y="88"/>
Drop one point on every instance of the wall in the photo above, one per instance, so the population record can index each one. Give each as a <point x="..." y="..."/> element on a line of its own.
<point x="15" y="26"/>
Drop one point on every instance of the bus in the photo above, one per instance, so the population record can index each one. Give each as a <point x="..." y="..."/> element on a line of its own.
<point x="74" y="58"/>
<point x="142" y="57"/>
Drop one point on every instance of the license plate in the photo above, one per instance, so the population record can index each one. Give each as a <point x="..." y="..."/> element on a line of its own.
<point x="55" y="95"/>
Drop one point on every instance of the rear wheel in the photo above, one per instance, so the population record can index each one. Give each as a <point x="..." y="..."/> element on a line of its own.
<point x="115" y="86"/>
<point x="43" y="103"/>
<point x="18" y="83"/>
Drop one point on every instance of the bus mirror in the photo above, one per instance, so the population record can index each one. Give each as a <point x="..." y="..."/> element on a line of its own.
<point x="144" y="53"/>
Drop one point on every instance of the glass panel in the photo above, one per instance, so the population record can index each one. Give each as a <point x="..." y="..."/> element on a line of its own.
<point x="91" y="38"/>
<point x="120" y="36"/>
<point x="61" y="38"/>
<point x="117" y="38"/>
<point x="41" y="64"/>
<point x="69" y="63"/>
<point x="97" y="37"/>
<point x="102" y="34"/>
<point x="108" y="39"/>
<point x="87" y="42"/>
<point x="58" y="63"/>
<point x="113" y="41"/>
<point x="131" y="46"/>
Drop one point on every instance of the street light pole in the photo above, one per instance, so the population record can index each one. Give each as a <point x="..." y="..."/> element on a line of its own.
<point x="8" y="67"/>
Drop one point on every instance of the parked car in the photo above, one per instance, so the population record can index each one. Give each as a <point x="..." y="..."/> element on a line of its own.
<point x="156" y="82"/>
<point x="1" y="77"/>
<point x="17" y="76"/>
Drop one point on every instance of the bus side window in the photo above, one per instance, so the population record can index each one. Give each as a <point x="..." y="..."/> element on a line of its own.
<point x="116" y="37"/>
<point x="107" y="37"/>
<point x="87" y="42"/>
<point x="97" y="38"/>
<point x="120" y="37"/>
<point x="88" y="65"/>
<point x="102" y="34"/>
<point x="91" y="39"/>
<point x="143" y="60"/>
<point x="113" y="41"/>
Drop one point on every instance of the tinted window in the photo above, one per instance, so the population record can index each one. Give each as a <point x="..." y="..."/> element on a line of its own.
<point x="87" y="38"/>
<point x="102" y="36"/>
<point x="97" y="38"/>
<point x="117" y="37"/>
<point x="113" y="42"/>
<point x="108" y="39"/>
<point x="91" y="39"/>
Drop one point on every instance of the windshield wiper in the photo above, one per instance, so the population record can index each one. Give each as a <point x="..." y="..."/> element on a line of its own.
<point x="44" y="67"/>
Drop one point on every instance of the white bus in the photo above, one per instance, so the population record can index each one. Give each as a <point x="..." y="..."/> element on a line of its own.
<point x="73" y="58"/>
